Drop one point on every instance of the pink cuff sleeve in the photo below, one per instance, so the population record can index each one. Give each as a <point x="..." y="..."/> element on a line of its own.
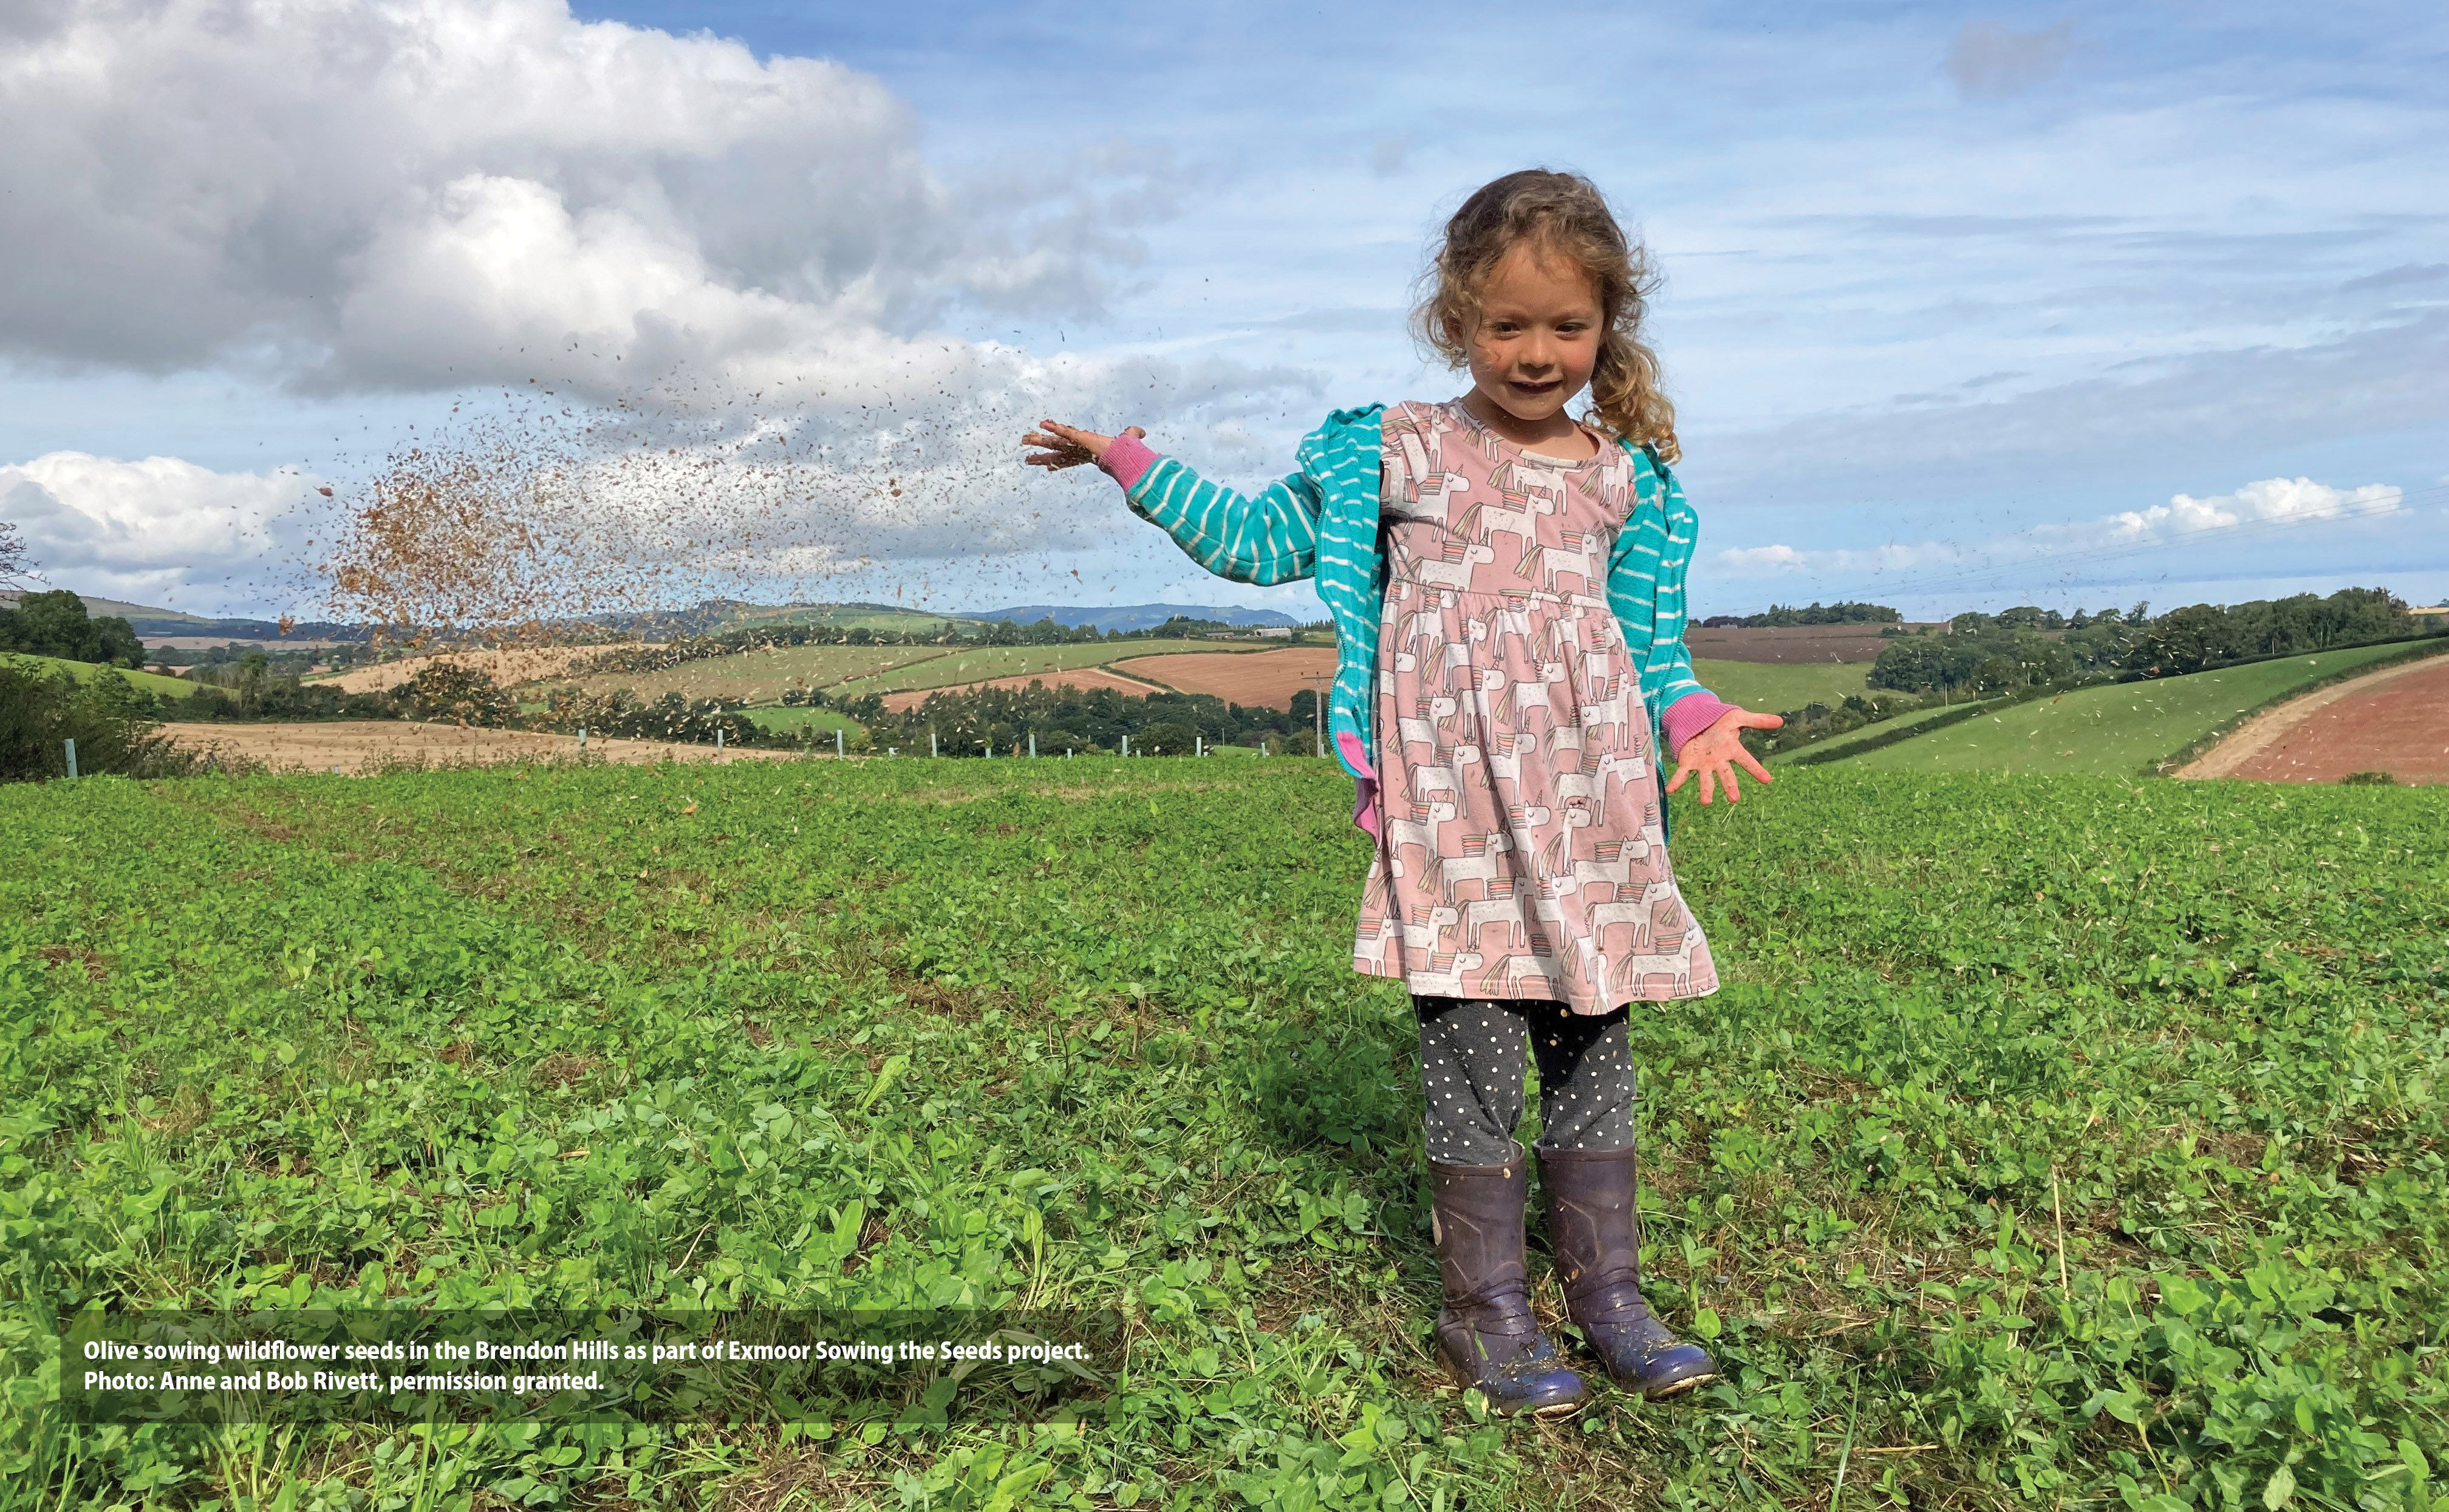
<point x="1364" y="781"/>
<point x="1687" y="716"/>
<point x="1125" y="460"/>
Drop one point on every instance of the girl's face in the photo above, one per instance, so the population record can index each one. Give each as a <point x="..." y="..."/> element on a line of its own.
<point x="1537" y="338"/>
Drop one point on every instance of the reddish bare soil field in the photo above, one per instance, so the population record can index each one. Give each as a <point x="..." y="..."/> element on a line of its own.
<point x="1088" y="677"/>
<point x="370" y="745"/>
<point x="1790" y="643"/>
<point x="2398" y="724"/>
<point x="1257" y="679"/>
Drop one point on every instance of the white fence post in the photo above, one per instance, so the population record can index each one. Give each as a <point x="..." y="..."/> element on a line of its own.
<point x="1127" y="745"/>
<point x="1032" y="744"/>
<point x="930" y="742"/>
<point x="718" y="737"/>
<point x="72" y="771"/>
<point x="837" y="744"/>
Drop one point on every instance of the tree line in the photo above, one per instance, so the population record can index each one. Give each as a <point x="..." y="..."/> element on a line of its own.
<point x="57" y="624"/>
<point x="970" y="721"/>
<point x="1783" y="615"/>
<point x="2027" y="646"/>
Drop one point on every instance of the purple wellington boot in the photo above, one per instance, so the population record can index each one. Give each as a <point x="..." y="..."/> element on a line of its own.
<point x="1594" y="1224"/>
<point x="1488" y="1334"/>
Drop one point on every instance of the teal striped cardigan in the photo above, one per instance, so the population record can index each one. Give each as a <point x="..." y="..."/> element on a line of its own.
<point x="1321" y="522"/>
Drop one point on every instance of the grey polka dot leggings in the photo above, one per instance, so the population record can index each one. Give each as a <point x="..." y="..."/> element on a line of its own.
<point x="1471" y="1067"/>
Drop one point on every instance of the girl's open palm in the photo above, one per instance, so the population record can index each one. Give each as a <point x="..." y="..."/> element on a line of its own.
<point x="1063" y="446"/>
<point x="1717" y="750"/>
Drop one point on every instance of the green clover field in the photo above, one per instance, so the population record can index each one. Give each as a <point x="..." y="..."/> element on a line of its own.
<point x="2057" y="1142"/>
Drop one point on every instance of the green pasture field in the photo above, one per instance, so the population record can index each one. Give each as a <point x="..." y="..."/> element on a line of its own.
<point x="841" y="617"/>
<point x="2120" y="727"/>
<point x="1774" y="687"/>
<point x="760" y="677"/>
<point x="152" y="682"/>
<point x="980" y="663"/>
<point x="2054" y="1141"/>
<point x="757" y="677"/>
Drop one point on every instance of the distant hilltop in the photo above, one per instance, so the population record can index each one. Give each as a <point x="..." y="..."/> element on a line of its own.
<point x="715" y="615"/>
<point x="153" y="622"/>
<point x="1138" y="616"/>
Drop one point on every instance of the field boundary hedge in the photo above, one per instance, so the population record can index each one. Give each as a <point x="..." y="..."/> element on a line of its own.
<point x="1912" y="729"/>
<point x="2201" y="746"/>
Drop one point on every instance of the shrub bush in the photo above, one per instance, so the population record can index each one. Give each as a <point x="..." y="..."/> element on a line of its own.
<point x="115" y="725"/>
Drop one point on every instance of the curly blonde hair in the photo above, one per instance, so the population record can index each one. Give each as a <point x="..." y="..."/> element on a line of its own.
<point x="1559" y="215"/>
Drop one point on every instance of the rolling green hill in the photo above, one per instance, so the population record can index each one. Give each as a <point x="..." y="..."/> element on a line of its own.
<point x="2113" y="730"/>
<point x="96" y="605"/>
<point x="877" y="617"/>
<point x="760" y="677"/>
<point x="1774" y="687"/>
<point x="152" y="682"/>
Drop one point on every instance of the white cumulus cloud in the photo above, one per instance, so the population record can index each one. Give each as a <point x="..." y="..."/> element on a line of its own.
<point x="425" y="194"/>
<point x="2271" y="499"/>
<point x="156" y="530"/>
<point x="1756" y="559"/>
<point x="2184" y="522"/>
<point x="444" y="196"/>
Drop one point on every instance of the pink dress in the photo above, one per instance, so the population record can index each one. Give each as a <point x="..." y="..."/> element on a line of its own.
<point x="1520" y="853"/>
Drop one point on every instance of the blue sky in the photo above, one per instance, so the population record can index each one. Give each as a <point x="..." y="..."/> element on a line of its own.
<point x="1963" y="306"/>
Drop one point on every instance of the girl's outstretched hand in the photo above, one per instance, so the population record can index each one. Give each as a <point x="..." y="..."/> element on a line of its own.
<point x="1063" y="446"/>
<point x="1717" y="750"/>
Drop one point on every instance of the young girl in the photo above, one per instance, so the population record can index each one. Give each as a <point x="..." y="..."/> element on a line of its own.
<point x="1508" y="592"/>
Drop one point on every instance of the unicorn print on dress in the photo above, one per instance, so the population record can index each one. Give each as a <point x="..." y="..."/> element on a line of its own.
<point x="1521" y="854"/>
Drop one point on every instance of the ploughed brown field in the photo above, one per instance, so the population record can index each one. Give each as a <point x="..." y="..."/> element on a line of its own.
<point x="507" y="667"/>
<point x="357" y="746"/>
<point x="1788" y="642"/>
<point x="1083" y="677"/>
<point x="2394" y="721"/>
<point x="1257" y="679"/>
